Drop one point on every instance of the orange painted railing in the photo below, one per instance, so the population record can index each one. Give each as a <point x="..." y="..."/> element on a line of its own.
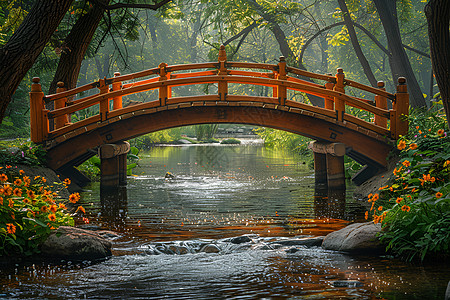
<point x="281" y="78"/>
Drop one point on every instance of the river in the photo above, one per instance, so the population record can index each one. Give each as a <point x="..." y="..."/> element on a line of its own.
<point x="247" y="204"/>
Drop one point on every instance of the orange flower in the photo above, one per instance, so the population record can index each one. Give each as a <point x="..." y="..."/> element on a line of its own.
<point x="413" y="190"/>
<point x="62" y="206"/>
<point x="1" y="201"/>
<point x="8" y="190"/>
<point x="21" y="172"/>
<point x="440" y="132"/>
<point x="375" y="197"/>
<point x="420" y="131"/>
<point x="406" y="208"/>
<point x="11" y="228"/>
<point x="439" y="195"/>
<point x="81" y="208"/>
<point x="366" y="216"/>
<point x="31" y="194"/>
<point x="401" y="145"/>
<point x="44" y="180"/>
<point x="406" y="163"/>
<point x="52" y="217"/>
<point x="44" y="209"/>
<point x="11" y="203"/>
<point x="17" y="192"/>
<point x="399" y="200"/>
<point x="18" y="181"/>
<point x="413" y="146"/>
<point x="26" y="201"/>
<point x="380" y="208"/>
<point x="74" y="197"/>
<point x="3" y="177"/>
<point x="53" y="208"/>
<point x="67" y="181"/>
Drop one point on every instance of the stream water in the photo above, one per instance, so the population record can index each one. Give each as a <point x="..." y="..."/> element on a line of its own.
<point x="227" y="226"/>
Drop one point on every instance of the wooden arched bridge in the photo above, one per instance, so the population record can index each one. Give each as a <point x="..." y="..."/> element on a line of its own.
<point x="70" y="142"/>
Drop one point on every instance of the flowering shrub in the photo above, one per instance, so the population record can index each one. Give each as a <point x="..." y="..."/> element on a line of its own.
<point x="30" y="209"/>
<point x="21" y="152"/>
<point x="414" y="208"/>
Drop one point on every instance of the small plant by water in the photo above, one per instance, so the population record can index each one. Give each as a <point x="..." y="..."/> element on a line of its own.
<point x="414" y="208"/>
<point x="30" y="209"/>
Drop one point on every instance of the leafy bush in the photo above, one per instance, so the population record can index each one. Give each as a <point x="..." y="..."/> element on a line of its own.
<point x="414" y="207"/>
<point x="21" y="152"/>
<point x="30" y="209"/>
<point x="230" y="141"/>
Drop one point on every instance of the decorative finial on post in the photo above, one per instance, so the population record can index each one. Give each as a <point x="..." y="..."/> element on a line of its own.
<point x="36" y="86"/>
<point x="380" y="84"/>
<point x="222" y="53"/>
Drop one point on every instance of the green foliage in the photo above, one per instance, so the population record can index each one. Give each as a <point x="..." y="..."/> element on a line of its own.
<point x="159" y="137"/>
<point x="91" y="168"/>
<point x="415" y="207"/>
<point x="22" y="152"/>
<point x="206" y="131"/>
<point x="230" y="141"/>
<point x="285" y="140"/>
<point x="30" y="209"/>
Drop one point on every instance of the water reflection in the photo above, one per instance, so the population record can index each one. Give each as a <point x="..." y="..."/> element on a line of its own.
<point x="329" y="203"/>
<point x="217" y="194"/>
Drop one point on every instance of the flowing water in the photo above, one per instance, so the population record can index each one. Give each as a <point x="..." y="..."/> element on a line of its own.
<point x="230" y="225"/>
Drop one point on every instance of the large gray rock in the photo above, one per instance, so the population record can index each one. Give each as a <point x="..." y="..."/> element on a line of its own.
<point x="358" y="238"/>
<point x="71" y="243"/>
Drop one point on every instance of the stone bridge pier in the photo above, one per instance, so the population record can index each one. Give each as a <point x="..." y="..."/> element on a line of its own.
<point x="113" y="170"/>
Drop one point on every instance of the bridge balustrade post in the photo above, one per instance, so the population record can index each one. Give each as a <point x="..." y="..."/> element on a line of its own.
<point x="116" y="86"/>
<point x="339" y="104"/>
<point x="61" y="103"/>
<point x="329" y="102"/>
<point x="380" y="102"/>
<point x="164" y="90"/>
<point x="282" y="75"/>
<point x="401" y="108"/>
<point x="37" y="116"/>
<point x="223" y="83"/>
<point x="104" y="103"/>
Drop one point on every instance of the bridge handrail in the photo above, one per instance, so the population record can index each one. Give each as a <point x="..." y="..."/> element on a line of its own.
<point x="219" y="72"/>
<point x="319" y="91"/>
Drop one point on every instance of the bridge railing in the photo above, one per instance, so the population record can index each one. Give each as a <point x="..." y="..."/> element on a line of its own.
<point x="109" y="92"/>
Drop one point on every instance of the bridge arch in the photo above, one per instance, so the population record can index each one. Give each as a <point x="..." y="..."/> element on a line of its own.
<point x="69" y="144"/>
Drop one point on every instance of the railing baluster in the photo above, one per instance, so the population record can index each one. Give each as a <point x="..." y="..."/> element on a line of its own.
<point x="104" y="103"/>
<point x="60" y="103"/>
<point x="223" y="84"/>
<point x="328" y="101"/>
<point x="282" y="75"/>
<point x="339" y="104"/>
<point x="116" y="86"/>
<point x="164" y="90"/>
<point x="37" y="122"/>
<point x="401" y="108"/>
<point x="381" y="102"/>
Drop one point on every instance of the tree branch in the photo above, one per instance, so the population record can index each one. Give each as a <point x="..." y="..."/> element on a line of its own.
<point x="130" y="5"/>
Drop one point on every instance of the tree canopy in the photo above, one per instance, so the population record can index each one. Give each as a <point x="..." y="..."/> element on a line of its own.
<point x="81" y="41"/>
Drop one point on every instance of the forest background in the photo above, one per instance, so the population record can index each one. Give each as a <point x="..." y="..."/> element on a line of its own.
<point x="81" y="41"/>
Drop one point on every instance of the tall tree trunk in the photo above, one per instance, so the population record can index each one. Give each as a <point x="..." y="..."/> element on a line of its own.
<point x="354" y="39"/>
<point x="20" y="52"/>
<point x="76" y="42"/>
<point x="400" y="66"/>
<point x="284" y="46"/>
<point x="438" y="18"/>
